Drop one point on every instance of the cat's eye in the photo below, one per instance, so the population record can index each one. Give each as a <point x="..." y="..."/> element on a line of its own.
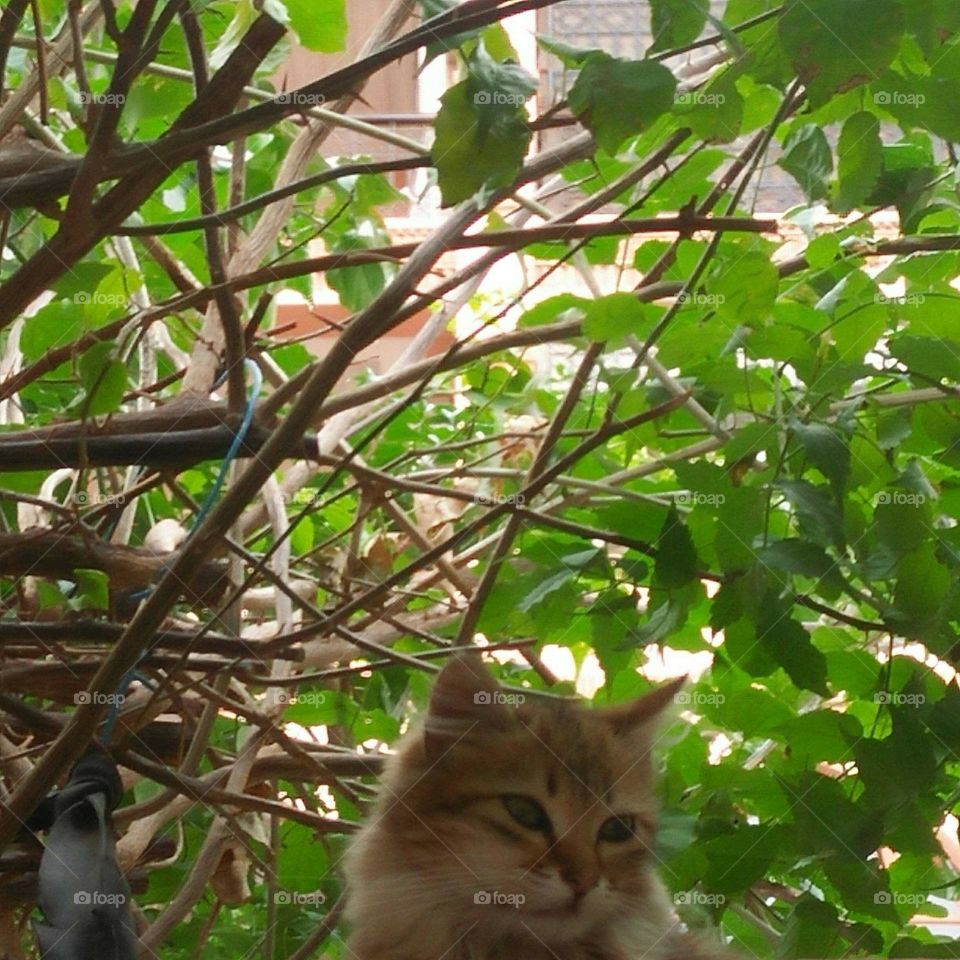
<point x="617" y="829"/>
<point x="527" y="812"/>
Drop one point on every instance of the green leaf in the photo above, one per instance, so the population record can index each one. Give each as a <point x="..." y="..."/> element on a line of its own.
<point x="908" y="169"/>
<point x="760" y="103"/>
<point x="741" y="646"/>
<point x="560" y="307"/>
<point x="571" y="57"/>
<point x="609" y="624"/>
<point x="662" y="621"/>
<point x="788" y="644"/>
<point x="924" y="101"/>
<point x="902" y="523"/>
<point x="797" y="556"/>
<point x="544" y="588"/>
<point x="944" y="719"/>
<point x="496" y="41"/>
<point x="751" y="711"/>
<point x="77" y="283"/>
<point x="481" y="130"/>
<point x="859" y="161"/>
<point x="740" y="519"/>
<point x="615" y="316"/>
<point x="714" y="112"/>
<point x="822" y="251"/>
<point x="744" y="289"/>
<point x="837" y="46"/>
<point x="859" y="330"/>
<point x="676" y="562"/>
<point x="494" y="37"/>
<point x="923" y="584"/>
<point x="54" y="325"/>
<point x="243" y="16"/>
<point x="737" y="860"/>
<point x="597" y="250"/>
<point x="933" y="22"/>
<point x="93" y="589"/>
<point x="50" y="596"/>
<point x="827" y="822"/>
<point x="301" y="536"/>
<point x="899" y="767"/>
<point x="676" y="23"/>
<point x="617" y="99"/>
<point x="823" y="735"/>
<point x="676" y="832"/>
<point x="104" y="378"/>
<point x="827" y="450"/>
<point x="749" y="441"/>
<point x="360" y="285"/>
<point x="854" y="671"/>
<point x="808" y="159"/>
<point x="764" y="57"/>
<point x="818" y="513"/>
<point x="319" y="24"/>
<point x="936" y="358"/>
<point x="893" y="429"/>
<point x="570" y="565"/>
<point x="312" y="706"/>
<point x="811" y="930"/>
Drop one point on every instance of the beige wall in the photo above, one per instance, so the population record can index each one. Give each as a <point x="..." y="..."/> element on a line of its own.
<point x="391" y="90"/>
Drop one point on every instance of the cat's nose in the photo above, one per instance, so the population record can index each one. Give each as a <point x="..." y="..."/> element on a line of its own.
<point x="580" y="882"/>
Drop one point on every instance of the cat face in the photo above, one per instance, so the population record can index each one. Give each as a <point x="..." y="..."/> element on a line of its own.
<point x="535" y="818"/>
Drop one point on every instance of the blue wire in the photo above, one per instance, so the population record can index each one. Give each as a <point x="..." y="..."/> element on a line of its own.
<point x="114" y="711"/>
<point x="256" y="375"/>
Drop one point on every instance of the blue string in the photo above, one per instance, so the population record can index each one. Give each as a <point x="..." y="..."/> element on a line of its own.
<point x="132" y="674"/>
<point x="256" y="375"/>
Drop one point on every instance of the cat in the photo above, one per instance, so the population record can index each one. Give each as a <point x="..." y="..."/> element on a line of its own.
<point x="510" y="830"/>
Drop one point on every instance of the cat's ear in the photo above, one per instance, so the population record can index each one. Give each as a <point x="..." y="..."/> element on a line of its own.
<point x="639" y="713"/>
<point x="465" y="699"/>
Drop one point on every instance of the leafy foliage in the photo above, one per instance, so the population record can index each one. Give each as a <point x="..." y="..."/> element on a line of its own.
<point x="773" y="503"/>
